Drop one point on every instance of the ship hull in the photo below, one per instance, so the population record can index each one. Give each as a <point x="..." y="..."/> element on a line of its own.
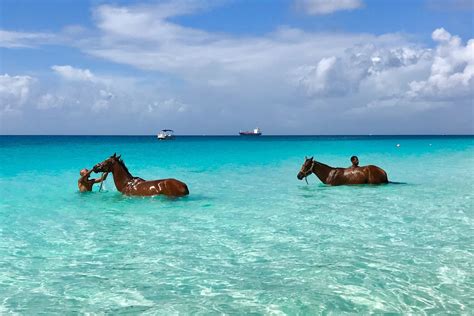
<point x="249" y="134"/>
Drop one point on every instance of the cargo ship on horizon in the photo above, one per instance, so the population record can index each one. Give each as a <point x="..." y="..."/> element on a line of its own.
<point x="254" y="132"/>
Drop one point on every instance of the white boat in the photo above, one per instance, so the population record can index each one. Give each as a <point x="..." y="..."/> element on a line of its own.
<point x="165" y="134"/>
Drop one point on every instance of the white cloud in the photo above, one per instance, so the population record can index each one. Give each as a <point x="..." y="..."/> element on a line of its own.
<point x="319" y="7"/>
<point x="440" y="35"/>
<point x="12" y="39"/>
<point x="342" y="75"/>
<point x="93" y="93"/>
<point x="441" y="78"/>
<point x="147" y="22"/>
<point x="14" y="91"/>
<point x="103" y="100"/>
<point x="76" y="74"/>
<point x="167" y="105"/>
<point x="87" y="91"/>
<point x="146" y="38"/>
<point x="324" y="78"/>
<point x="452" y="71"/>
<point x="50" y="101"/>
<point x="402" y="81"/>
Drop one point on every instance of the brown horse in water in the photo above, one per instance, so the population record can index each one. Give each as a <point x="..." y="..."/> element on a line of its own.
<point x="340" y="176"/>
<point x="130" y="185"/>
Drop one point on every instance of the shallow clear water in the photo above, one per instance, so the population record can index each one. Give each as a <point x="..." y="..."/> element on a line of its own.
<point x="250" y="238"/>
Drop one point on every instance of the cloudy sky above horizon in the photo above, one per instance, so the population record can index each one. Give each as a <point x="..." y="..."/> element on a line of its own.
<point x="216" y="67"/>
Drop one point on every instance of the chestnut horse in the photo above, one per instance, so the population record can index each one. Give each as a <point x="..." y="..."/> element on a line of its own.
<point x="340" y="176"/>
<point x="130" y="185"/>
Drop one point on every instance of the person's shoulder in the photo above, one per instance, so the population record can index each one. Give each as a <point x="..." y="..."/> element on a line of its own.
<point x="85" y="180"/>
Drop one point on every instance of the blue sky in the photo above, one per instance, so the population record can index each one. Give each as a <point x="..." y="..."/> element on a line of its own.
<point x="215" y="67"/>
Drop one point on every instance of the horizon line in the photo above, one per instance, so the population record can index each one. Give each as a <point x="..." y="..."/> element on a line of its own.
<point x="233" y="135"/>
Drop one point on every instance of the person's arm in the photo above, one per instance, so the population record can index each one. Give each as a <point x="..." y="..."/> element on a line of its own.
<point x="104" y="176"/>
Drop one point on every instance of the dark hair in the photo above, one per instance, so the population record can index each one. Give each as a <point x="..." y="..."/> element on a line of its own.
<point x="120" y="161"/>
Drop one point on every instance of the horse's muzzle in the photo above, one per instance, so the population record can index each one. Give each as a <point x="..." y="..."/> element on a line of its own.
<point x="300" y="176"/>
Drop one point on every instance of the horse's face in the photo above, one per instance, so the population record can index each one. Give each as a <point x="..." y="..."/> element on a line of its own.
<point x="306" y="168"/>
<point x="106" y="165"/>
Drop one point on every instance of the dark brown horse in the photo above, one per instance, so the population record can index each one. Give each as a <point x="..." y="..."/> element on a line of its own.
<point x="130" y="185"/>
<point x="340" y="176"/>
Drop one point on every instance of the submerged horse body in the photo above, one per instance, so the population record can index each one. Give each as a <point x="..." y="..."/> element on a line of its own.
<point x="130" y="185"/>
<point x="343" y="176"/>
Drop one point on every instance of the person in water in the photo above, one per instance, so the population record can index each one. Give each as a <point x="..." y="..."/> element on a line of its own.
<point x="355" y="162"/>
<point x="85" y="184"/>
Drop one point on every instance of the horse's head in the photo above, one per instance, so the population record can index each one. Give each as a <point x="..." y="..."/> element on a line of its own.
<point x="107" y="164"/>
<point x="306" y="168"/>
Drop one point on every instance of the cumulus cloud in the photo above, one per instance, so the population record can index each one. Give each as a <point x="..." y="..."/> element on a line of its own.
<point x="103" y="100"/>
<point x="452" y="71"/>
<point x="385" y="83"/>
<point x="342" y="75"/>
<point x="95" y="93"/>
<point x="167" y="105"/>
<point x="14" y="91"/>
<point x="89" y="90"/>
<point x="75" y="74"/>
<point x="50" y="101"/>
<point x="319" y="7"/>
<point x="442" y="78"/>
<point x="324" y="79"/>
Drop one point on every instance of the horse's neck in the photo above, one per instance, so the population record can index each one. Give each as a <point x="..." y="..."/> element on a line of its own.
<point x="121" y="177"/>
<point x="322" y="171"/>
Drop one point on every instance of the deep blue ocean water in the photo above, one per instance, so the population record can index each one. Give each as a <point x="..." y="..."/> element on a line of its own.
<point x="250" y="238"/>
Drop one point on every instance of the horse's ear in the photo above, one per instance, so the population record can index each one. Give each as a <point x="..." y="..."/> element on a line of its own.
<point x="114" y="155"/>
<point x="305" y="157"/>
<point x="119" y="157"/>
<point x="311" y="158"/>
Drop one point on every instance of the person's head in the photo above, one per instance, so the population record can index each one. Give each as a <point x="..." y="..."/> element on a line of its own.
<point x="355" y="160"/>
<point x="83" y="172"/>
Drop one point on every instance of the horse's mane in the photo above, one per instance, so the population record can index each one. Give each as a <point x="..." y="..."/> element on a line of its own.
<point x="323" y="164"/>
<point x="120" y="161"/>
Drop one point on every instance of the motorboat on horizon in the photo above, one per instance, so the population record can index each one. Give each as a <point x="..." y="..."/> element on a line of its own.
<point x="165" y="134"/>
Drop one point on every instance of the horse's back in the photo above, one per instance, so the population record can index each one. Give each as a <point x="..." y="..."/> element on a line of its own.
<point x="174" y="187"/>
<point x="377" y="174"/>
<point x="181" y="187"/>
<point x="169" y="187"/>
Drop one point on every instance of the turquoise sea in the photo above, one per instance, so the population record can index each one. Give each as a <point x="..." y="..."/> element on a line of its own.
<point x="250" y="238"/>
